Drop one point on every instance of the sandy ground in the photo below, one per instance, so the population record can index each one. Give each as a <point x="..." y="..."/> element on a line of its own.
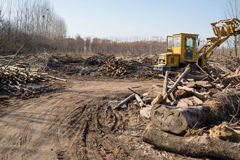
<point x="78" y="123"/>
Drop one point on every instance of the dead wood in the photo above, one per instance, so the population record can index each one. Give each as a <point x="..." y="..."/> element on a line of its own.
<point x="208" y="75"/>
<point x="165" y="84"/>
<point x="187" y="70"/>
<point x="178" y="119"/>
<point x="221" y="67"/>
<point x="193" y="146"/>
<point x="224" y="105"/>
<point x="199" y="95"/>
<point x="139" y="100"/>
<point x="157" y="100"/>
<point x="125" y="101"/>
<point x="180" y="93"/>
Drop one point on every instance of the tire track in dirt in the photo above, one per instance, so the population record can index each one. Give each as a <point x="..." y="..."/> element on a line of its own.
<point x="32" y="130"/>
<point x="73" y="129"/>
<point x="89" y="129"/>
<point x="76" y="124"/>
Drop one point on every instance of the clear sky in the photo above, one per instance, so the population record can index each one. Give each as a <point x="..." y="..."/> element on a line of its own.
<point x="139" y="18"/>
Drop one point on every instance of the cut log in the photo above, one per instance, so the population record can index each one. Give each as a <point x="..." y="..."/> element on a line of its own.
<point x="233" y="76"/>
<point x="199" y="95"/>
<point x="214" y="72"/>
<point x="195" y="77"/>
<point x="153" y="92"/>
<point x="181" y="103"/>
<point x="195" y="84"/>
<point x="197" y="101"/>
<point x="165" y="84"/>
<point x="221" y="67"/>
<point x="208" y="75"/>
<point x="125" y="101"/>
<point x="157" y="100"/>
<point x="182" y="93"/>
<point x="139" y="100"/>
<point x="188" y="101"/>
<point x="186" y="88"/>
<point x="192" y="146"/>
<point x="187" y="70"/>
<point x="178" y="119"/>
<point x="190" y="80"/>
<point x="223" y="76"/>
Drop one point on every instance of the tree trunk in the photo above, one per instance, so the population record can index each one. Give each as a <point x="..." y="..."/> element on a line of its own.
<point x="192" y="146"/>
<point x="178" y="119"/>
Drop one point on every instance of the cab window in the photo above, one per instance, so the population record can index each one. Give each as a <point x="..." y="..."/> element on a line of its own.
<point x="169" y="40"/>
<point x="176" y="41"/>
<point x="189" y="43"/>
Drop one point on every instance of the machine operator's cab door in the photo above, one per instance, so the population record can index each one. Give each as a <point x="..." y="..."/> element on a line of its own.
<point x="184" y="44"/>
<point x="188" y="54"/>
<point x="169" y="44"/>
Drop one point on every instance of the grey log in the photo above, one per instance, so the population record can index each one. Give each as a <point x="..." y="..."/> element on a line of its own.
<point x="192" y="146"/>
<point x="178" y="119"/>
<point x="165" y="84"/>
<point x="125" y="101"/>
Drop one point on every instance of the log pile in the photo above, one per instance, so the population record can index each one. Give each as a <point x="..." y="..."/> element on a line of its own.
<point x="97" y="60"/>
<point x="115" y="67"/>
<point x="185" y="110"/>
<point x="25" y="80"/>
<point x="14" y="75"/>
<point x="14" y="79"/>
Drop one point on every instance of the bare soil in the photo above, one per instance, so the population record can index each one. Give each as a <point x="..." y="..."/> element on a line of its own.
<point x="78" y="122"/>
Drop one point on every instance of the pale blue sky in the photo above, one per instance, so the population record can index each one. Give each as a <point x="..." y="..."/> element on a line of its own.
<point x="142" y="18"/>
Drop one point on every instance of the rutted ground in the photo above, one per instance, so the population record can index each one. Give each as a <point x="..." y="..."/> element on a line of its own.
<point x="77" y="123"/>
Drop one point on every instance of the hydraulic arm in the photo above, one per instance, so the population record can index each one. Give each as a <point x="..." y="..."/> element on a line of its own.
<point x="223" y="29"/>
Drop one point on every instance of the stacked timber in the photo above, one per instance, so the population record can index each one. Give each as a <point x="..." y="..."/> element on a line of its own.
<point x="115" y="67"/>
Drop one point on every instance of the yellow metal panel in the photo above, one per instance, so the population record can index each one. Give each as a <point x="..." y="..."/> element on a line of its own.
<point x="173" y="60"/>
<point x="183" y="50"/>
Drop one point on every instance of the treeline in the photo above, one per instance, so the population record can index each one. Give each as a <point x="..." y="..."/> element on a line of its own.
<point x="35" y="24"/>
<point x="32" y="23"/>
<point x="97" y="45"/>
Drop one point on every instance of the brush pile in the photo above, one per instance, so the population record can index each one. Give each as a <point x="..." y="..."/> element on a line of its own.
<point x="16" y="80"/>
<point x="187" y="107"/>
<point x="115" y="67"/>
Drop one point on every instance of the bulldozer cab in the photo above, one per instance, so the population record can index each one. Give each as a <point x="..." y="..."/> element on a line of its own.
<point x="181" y="49"/>
<point x="185" y="45"/>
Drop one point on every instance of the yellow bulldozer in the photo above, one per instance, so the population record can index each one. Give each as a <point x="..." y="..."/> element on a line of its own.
<point x="182" y="49"/>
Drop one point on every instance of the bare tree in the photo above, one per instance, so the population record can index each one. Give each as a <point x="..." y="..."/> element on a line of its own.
<point x="32" y="22"/>
<point x="231" y="10"/>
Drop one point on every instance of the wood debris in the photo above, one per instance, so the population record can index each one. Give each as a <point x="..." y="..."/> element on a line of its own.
<point x="182" y="106"/>
<point x="16" y="79"/>
<point x="115" y="67"/>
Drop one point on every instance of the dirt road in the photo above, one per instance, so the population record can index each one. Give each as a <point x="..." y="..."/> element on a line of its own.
<point x="77" y="123"/>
